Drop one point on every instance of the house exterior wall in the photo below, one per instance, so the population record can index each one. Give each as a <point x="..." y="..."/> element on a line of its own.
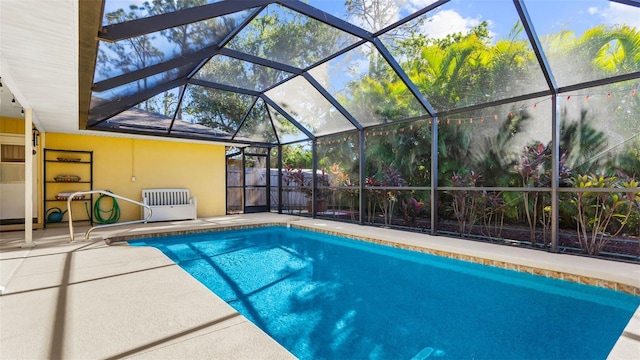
<point x="11" y="125"/>
<point x="12" y="192"/>
<point x="154" y="164"/>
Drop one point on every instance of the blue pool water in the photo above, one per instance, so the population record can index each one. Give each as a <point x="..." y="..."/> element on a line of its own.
<point x="325" y="297"/>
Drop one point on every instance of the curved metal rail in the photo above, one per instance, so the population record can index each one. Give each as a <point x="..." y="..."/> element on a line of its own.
<point x="104" y="192"/>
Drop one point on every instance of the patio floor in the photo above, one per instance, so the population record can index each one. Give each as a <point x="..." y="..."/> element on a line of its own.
<point x="92" y="300"/>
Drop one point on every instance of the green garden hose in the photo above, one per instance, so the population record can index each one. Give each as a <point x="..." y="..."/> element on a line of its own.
<point x="113" y="212"/>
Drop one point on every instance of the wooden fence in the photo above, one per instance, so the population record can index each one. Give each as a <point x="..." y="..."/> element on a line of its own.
<point x="292" y="197"/>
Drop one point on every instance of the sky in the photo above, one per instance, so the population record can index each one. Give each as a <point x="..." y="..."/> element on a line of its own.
<point x="460" y="15"/>
<point x="547" y="15"/>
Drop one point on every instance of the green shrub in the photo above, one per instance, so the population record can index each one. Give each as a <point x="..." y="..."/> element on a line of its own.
<point x="600" y="215"/>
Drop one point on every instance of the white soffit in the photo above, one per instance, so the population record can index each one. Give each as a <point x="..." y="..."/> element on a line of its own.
<point x="39" y="57"/>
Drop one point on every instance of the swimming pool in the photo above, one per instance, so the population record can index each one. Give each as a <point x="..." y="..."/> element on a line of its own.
<point x="325" y="297"/>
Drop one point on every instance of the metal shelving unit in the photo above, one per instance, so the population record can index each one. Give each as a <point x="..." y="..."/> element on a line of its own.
<point x="56" y="161"/>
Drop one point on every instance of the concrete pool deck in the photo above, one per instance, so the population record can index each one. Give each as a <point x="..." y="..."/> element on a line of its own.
<point x="92" y="300"/>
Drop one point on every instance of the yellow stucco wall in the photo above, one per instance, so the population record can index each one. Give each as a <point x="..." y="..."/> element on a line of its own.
<point x="155" y="164"/>
<point x="11" y="125"/>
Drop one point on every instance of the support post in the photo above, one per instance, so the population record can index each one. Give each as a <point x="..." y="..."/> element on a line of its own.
<point x="279" y="179"/>
<point x="28" y="180"/>
<point x="434" y="176"/>
<point x="555" y="171"/>
<point x="242" y="180"/>
<point x="267" y="172"/>
<point x="314" y="180"/>
<point x="363" y="178"/>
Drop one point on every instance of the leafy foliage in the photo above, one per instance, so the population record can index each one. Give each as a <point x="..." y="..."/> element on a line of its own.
<point x="600" y="215"/>
<point x="464" y="202"/>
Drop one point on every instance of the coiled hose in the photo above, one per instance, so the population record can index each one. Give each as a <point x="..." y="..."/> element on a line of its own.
<point x="113" y="213"/>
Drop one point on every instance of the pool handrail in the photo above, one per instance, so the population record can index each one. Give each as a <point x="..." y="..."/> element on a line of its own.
<point x="107" y="193"/>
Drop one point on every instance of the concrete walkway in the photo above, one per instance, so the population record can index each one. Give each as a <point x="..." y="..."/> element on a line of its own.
<point x="90" y="300"/>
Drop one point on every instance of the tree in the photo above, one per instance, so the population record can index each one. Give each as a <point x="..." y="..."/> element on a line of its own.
<point x="219" y="110"/>
<point x="129" y="54"/>
<point x="297" y="156"/>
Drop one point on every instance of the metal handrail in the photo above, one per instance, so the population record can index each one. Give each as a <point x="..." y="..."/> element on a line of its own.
<point x="104" y="192"/>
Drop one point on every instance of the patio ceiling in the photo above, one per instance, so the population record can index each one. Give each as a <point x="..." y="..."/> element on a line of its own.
<point x="38" y="61"/>
<point x="254" y="71"/>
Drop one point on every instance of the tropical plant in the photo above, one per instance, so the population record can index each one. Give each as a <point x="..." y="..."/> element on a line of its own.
<point x="582" y="143"/>
<point x="600" y="215"/>
<point x="492" y="210"/>
<point x="372" y="194"/>
<point x="390" y="178"/>
<point x="627" y="159"/>
<point x="339" y="179"/>
<point x="493" y="155"/>
<point x="534" y="171"/>
<point x="379" y="195"/>
<point x="292" y="177"/>
<point x="411" y="209"/>
<point x="464" y="202"/>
